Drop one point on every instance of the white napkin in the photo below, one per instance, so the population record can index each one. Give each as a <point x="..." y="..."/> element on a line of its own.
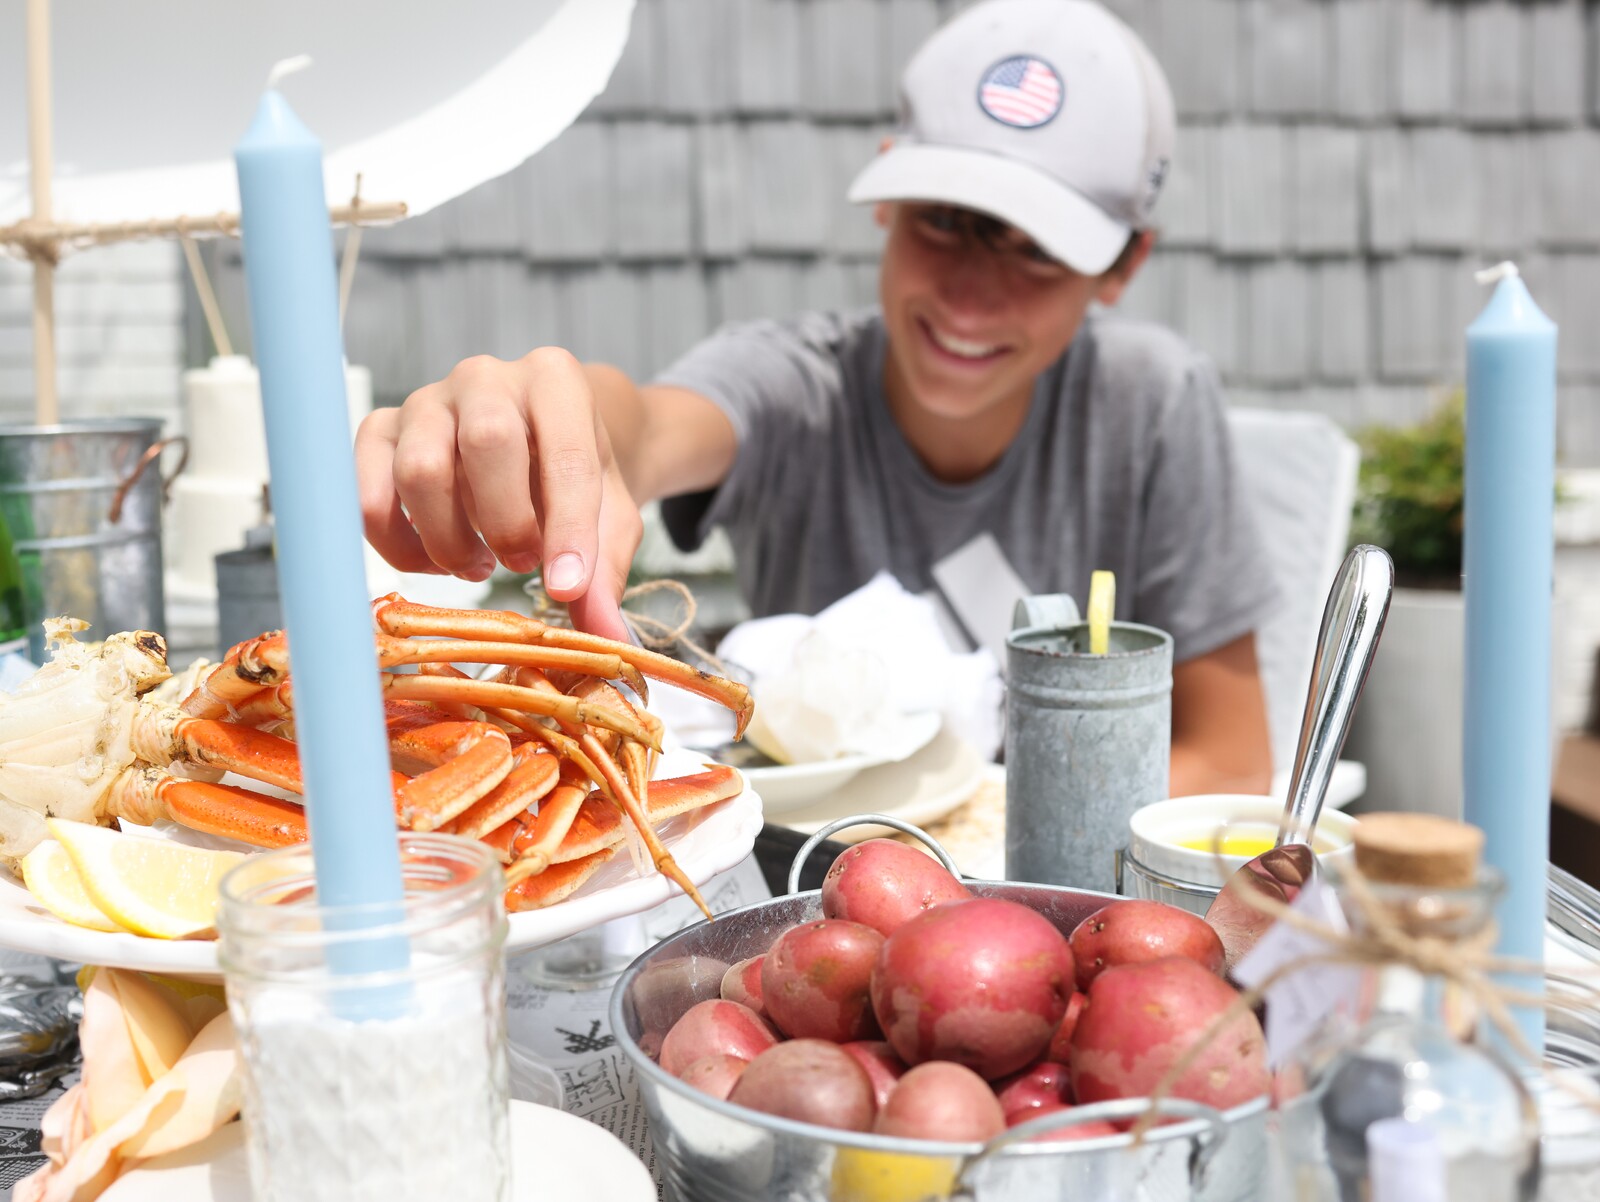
<point x="844" y="681"/>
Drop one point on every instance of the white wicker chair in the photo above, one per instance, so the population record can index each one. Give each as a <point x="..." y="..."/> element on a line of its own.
<point x="1299" y="470"/>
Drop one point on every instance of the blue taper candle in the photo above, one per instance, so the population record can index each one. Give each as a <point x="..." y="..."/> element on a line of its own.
<point x="294" y="319"/>
<point x="1507" y="561"/>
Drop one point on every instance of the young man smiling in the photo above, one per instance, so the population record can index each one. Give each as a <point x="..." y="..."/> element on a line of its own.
<point x="982" y="399"/>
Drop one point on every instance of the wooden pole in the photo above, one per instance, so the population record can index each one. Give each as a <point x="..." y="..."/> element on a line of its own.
<point x="47" y="407"/>
<point x="208" y="298"/>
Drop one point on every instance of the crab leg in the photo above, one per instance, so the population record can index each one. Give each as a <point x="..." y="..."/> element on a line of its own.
<point x="530" y="843"/>
<point x="393" y="652"/>
<point x="397" y="616"/>
<point x="556" y="883"/>
<point x="144" y="795"/>
<point x="249" y="667"/>
<point x="465" y="760"/>
<point x="487" y="693"/>
<point x="614" y="784"/>
<point x="532" y="777"/>
<point x="598" y="824"/>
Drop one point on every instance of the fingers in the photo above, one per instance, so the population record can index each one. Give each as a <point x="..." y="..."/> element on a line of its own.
<point x="569" y="471"/>
<point x="492" y="444"/>
<point x="599" y="610"/>
<point x="426" y="481"/>
<point x="388" y="529"/>
<point x="506" y="460"/>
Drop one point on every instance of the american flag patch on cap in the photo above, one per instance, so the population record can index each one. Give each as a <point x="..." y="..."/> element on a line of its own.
<point x="1021" y="91"/>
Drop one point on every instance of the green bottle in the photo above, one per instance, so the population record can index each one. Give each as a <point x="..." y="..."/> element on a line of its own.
<point x="13" y="603"/>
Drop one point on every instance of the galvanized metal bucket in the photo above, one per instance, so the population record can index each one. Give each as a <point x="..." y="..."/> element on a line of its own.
<point x="713" y="1151"/>
<point x="82" y="501"/>
<point x="247" y="594"/>
<point x="1088" y="741"/>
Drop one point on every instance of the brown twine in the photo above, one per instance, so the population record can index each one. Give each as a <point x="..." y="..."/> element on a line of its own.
<point x="1465" y="963"/>
<point x="650" y="631"/>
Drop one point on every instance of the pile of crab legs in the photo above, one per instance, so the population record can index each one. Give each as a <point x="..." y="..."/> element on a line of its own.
<point x="544" y="760"/>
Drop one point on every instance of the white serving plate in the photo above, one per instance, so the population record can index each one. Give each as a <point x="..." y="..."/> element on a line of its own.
<point x="919" y="789"/>
<point x="553" y="1155"/>
<point x="786" y="788"/>
<point x="704" y="842"/>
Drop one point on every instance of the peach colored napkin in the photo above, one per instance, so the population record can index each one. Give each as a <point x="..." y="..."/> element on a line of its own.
<point x="160" y="1072"/>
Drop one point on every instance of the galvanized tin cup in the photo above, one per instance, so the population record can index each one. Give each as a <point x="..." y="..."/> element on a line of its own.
<point x="82" y="501"/>
<point x="1088" y="741"/>
<point x="714" y="1151"/>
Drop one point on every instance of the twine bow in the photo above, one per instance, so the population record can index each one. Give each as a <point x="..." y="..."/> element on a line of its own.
<point x="1466" y="963"/>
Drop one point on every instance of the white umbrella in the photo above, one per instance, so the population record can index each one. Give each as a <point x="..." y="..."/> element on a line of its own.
<point x="422" y="101"/>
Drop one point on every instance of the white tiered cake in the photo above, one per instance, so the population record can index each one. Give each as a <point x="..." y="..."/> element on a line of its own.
<point x="219" y="495"/>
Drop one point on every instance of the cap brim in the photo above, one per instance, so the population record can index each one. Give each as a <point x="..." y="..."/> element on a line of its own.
<point x="1068" y="225"/>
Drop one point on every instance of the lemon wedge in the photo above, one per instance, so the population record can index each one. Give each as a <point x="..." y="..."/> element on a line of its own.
<point x="146" y="886"/>
<point x="48" y="873"/>
<point x="1102" y="607"/>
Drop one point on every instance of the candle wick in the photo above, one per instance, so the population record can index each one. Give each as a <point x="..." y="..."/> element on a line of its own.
<point x="1500" y="271"/>
<point x="287" y="67"/>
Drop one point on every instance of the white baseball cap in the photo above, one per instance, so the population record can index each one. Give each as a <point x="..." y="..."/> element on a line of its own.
<point x="1047" y="114"/>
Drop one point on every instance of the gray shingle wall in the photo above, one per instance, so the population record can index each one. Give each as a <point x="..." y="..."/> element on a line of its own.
<point x="1343" y="166"/>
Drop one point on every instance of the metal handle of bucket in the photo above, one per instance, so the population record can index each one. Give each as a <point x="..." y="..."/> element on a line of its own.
<point x="1050" y="610"/>
<point x="810" y="844"/>
<point x="150" y="456"/>
<point x="1210" y="1140"/>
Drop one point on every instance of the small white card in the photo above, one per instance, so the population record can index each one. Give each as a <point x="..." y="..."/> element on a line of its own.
<point x="980" y="586"/>
<point x="1299" y="1002"/>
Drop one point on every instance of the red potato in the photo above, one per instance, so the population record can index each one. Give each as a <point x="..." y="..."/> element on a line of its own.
<point x="1142" y="1017"/>
<point x="1061" y="1042"/>
<point x="883" y="883"/>
<point x="983" y="982"/>
<point x="1090" y="1130"/>
<point x="811" y="1081"/>
<point x="943" y="1101"/>
<point x="1132" y="931"/>
<point x="742" y="984"/>
<point x="816" y="979"/>
<point x="665" y="989"/>
<point x="714" y="1027"/>
<point x="1046" y="1084"/>
<point x="883" y="1067"/>
<point x="715" y="1075"/>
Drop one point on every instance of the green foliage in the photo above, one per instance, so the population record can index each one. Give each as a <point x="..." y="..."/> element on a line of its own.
<point x="1410" y="494"/>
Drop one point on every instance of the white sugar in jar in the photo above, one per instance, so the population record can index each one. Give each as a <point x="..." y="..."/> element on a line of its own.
<point x="374" y="1046"/>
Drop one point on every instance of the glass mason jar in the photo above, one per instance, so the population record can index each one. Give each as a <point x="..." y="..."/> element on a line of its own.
<point x="1568" y="1093"/>
<point x="1411" y="1052"/>
<point x="371" y="1083"/>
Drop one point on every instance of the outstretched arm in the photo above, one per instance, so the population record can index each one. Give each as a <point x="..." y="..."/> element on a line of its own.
<point x="1219" y="723"/>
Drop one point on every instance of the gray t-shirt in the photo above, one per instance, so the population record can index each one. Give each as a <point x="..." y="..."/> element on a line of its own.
<point x="1123" y="462"/>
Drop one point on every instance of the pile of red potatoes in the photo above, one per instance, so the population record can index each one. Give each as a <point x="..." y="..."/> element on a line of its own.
<point x="915" y="1009"/>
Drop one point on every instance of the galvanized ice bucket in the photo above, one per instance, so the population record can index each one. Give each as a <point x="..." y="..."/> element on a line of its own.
<point x="711" y="1151"/>
<point x="1088" y="741"/>
<point x="82" y="501"/>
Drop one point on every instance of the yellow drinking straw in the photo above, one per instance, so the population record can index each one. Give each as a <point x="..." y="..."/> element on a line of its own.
<point x="1102" y="605"/>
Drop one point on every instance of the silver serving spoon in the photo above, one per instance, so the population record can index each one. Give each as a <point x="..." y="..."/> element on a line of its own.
<point x="1352" y="623"/>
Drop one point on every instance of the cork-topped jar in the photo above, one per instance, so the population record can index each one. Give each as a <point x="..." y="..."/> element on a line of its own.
<point x="1411" y="1104"/>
